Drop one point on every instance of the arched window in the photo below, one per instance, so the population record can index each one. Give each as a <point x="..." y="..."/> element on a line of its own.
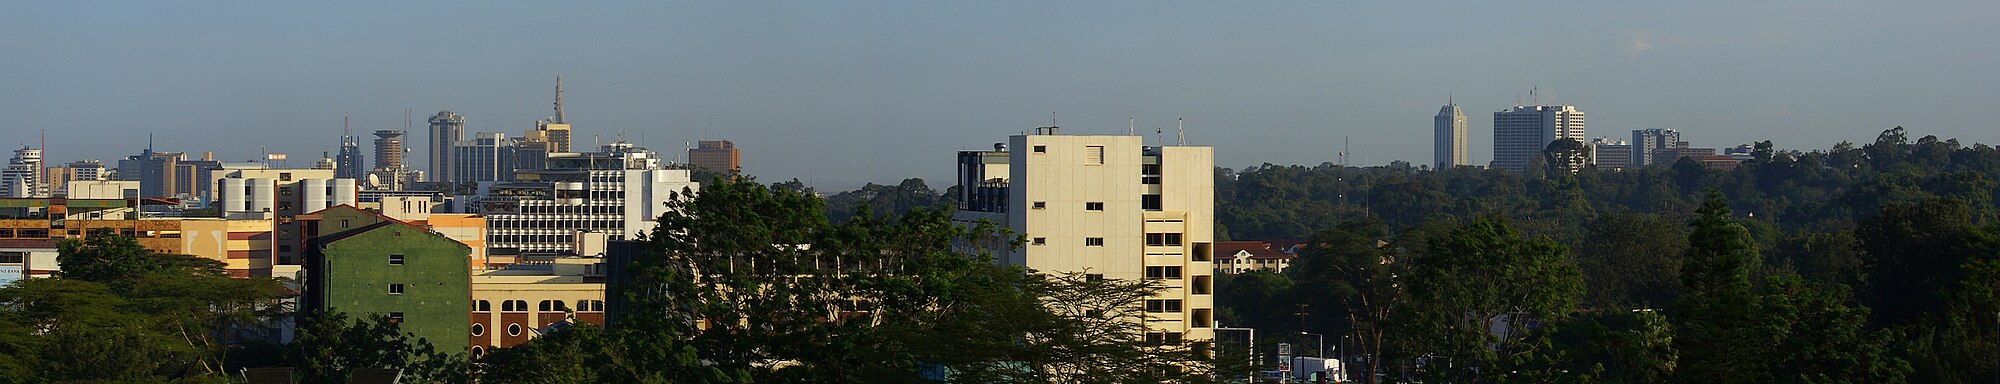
<point x="482" y="306"/>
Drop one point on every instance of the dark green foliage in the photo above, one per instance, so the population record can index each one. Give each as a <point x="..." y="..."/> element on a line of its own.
<point x="748" y="283"/>
<point x="119" y="313"/>
<point x="894" y="200"/>
<point x="328" y="347"/>
<point x="1475" y="296"/>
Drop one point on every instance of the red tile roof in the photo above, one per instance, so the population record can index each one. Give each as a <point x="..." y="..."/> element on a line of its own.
<point x="1257" y="249"/>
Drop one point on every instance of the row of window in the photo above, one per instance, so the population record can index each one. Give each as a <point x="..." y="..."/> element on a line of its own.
<point x="546" y="306"/>
<point x="1087" y="206"/>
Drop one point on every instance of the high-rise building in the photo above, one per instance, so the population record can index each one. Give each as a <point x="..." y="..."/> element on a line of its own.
<point x="447" y="129"/>
<point x="718" y="156"/>
<point x="1608" y="153"/>
<point x="1107" y="206"/>
<point x="23" y="175"/>
<point x="158" y="173"/>
<point x="80" y="170"/>
<point x="550" y="136"/>
<point x="1521" y="133"/>
<point x="616" y="193"/>
<point x="1647" y="144"/>
<point x="389" y="149"/>
<point x="487" y="157"/>
<point x="350" y="164"/>
<point x="1450" y="130"/>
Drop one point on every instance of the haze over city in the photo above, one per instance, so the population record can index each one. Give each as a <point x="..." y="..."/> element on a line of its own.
<point x="840" y="94"/>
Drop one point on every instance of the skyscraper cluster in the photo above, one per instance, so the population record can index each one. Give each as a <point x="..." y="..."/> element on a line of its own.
<point x="1522" y="134"/>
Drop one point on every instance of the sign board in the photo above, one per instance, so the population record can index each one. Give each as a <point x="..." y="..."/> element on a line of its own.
<point x="1284" y="349"/>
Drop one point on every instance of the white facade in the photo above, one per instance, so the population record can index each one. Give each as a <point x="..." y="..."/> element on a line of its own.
<point x="1106" y="205"/>
<point x="23" y="175"/>
<point x="1450" y="130"/>
<point x="103" y="189"/>
<point x="548" y="217"/>
<point x="1521" y="133"/>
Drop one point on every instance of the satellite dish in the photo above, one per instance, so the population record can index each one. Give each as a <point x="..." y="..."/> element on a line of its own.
<point x="374" y="179"/>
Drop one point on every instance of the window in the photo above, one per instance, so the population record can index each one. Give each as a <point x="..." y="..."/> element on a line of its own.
<point x="1173" y="338"/>
<point x="395" y="317"/>
<point x="478" y="351"/>
<point x="1163" y="239"/>
<point x="1149" y="202"/>
<point x="396" y="289"/>
<point x="590" y="305"/>
<point x="1163" y="273"/>
<point x="1166" y="306"/>
<point x="1203" y="252"/>
<point x="1041" y="149"/>
<point x="482" y="306"/>
<point x="514" y="306"/>
<point x="1093" y="206"/>
<point x="1202" y="317"/>
<point x="343" y="223"/>
<point x="1093" y="277"/>
<point x="1093" y="241"/>
<point x="1040" y="240"/>
<point x="1093" y="155"/>
<point x="12" y="257"/>
<point x="1203" y="285"/>
<point x="395" y="259"/>
<point x="284" y="248"/>
<point x="1041" y="204"/>
<point x="514" y="329"/>
<point x="478" y="329"/>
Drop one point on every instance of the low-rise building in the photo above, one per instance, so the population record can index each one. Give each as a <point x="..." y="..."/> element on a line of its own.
<point x="243" y="245"/>
<point x="1233" y="257"/>
<point x="515" y="304"/>
<point x="365" y="264"/>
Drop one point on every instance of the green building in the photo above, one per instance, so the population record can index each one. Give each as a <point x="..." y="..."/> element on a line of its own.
<point x="365" y="264"/>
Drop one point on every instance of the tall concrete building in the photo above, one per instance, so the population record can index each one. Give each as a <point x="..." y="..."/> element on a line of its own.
<point x="158" y="173"/>
<point x="550" y="136"/>
<point x="1105" y="205"/>
<point x="615" y="194"/>
<point x="1450" y="130"/>
<point x="447" y="129"/>
<point x="1521" y="133"/>
<point x="389" y="149"/>
<point x="719" y="156"/>
<point x="350" y="163"/>
<point x="487" y="157"/>
<point x="23" y="176"/>
<point x="1648" y="144"/>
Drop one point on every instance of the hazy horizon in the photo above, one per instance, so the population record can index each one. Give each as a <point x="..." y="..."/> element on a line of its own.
<point x="840" y="94"/>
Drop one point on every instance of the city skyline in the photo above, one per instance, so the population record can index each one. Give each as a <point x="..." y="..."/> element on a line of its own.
<point x="1282" y="85"/>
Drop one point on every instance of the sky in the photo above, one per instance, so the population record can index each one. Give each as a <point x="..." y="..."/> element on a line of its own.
<point x="838" y="94"/>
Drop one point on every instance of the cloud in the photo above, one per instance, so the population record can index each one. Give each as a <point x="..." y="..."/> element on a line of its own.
<point x="1640" y="42"/>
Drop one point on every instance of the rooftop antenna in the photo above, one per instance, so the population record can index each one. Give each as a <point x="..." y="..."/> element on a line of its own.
<point x="559" y="106"/>
<point x="1534" y="95"/>
<point x="406" y="119"/>
<point x="1052" y="119"/>
<point x="1130" y="122"/>
<point x="1180" y="132"/>
<point x="1158" y="134"/>
<point x="344" y="130"/>
<point x="149" y="143"/>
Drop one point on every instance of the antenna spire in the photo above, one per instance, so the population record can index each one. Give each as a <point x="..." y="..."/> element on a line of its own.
<point x="1180" y="132"/>
<point x="1130" y="123"/>
<point x="559" y="104"/>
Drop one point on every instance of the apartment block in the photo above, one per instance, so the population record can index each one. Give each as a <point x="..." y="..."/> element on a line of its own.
<point x="1109" y="206"/>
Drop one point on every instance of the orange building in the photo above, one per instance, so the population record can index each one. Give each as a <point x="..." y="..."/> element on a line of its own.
<point x="244" y="246"/>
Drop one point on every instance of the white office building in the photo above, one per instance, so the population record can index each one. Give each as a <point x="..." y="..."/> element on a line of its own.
<point x="617" y="193"/>
<point x="1450" y="137"/>
<point x="1105" y="205"/>
<point x="1521" y="133"/>
<point x="23" y="175"/>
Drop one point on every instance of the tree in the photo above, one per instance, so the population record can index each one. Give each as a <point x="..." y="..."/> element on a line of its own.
<point x="1713" y="319"/>
<point x="745" y="283"/>
<point x="1475" y="295"/>
<point x="330" y="346"/>
<point x="1631" y="259"/>
<point x="1352" y="266"/>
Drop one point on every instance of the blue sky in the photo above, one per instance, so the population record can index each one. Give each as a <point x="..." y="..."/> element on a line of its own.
<point x="840" y="93"/>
